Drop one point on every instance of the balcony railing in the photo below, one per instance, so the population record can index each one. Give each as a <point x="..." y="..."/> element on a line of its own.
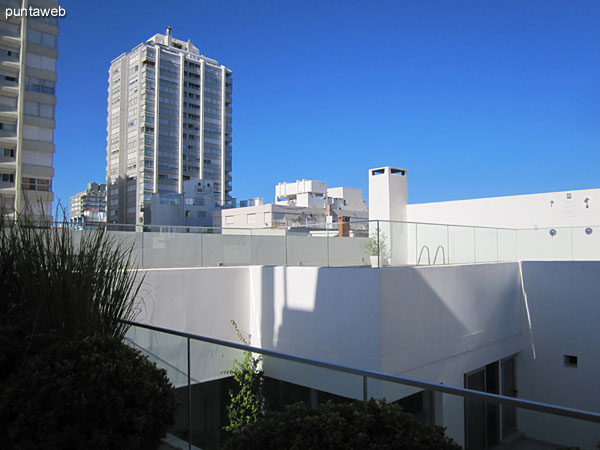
<point x="196" y="364"/>
<point x="354" y="244"/>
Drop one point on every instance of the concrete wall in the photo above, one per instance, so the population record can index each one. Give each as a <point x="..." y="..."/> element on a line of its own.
<point x="434" y="323"/>
<point x="563" y="300"/>
<point x="554" y="209"/>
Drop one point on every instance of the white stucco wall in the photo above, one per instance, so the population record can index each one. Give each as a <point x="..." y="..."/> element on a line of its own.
<point x="564" y="305"/>
<point x="553" y="209"/>
<point x="433" y="323"/>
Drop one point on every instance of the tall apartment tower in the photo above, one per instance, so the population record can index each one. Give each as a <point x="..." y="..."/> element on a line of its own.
<point x="89" y="206"/>
<point x="28" y="54"/>
<point x="169" y="121"/>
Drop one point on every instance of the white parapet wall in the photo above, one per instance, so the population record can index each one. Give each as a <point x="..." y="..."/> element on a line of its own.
<point x="432" y="323"/>
<point x="576" y="208"/>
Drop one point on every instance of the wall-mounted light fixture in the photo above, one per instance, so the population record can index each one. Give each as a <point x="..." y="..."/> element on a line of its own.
<point x="552" y="232"/>
<point x="588" y="231"/>
<point x="587" y="202"/>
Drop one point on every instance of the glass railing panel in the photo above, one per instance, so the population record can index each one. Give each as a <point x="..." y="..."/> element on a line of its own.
<point x="127" y="240"/>
<point x="121" y="227"/>
<point x="412" y="251"/>
<point x="309" y="377"/>
<point x="558" y="430"/>
<point x="307" y="247"/>
<point x="475" y="423"/>
<point x="507" y="245"/>
<point x="269" y="246"/>
<point x="210" y="385"/>
<point x="586" y="243"/>
<point x="172" y="250"/>
<point x="432" y="240"/>
<point x="486" y="245"/>
<point x="347" y="244"/>
<point x="545" y="244"/>
<point x="461" y="245"/>
<point x="469" y="420"/>
<point x="230" y="247"/>
<point x="396" y="248"/>
<point x="285" y="382"/>
<point x="168" y="352"/>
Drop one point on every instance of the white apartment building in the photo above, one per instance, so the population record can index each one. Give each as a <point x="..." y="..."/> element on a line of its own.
<point x="169" y="121"/>
<point x="301" y="203"/>
<point x="89" y="206"/>
<point x="28" y="54"/>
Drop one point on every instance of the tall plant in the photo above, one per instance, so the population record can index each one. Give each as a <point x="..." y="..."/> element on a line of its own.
<point x="246" y="403"/>
<point x="55" y="287"/>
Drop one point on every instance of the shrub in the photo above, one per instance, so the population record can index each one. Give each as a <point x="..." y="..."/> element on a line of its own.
<point x="67" y="380"/>
<point x="96" y="393"/>
<point x="354" y="425"/>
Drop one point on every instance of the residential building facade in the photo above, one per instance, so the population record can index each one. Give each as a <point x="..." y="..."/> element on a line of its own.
<point x="169" y="121"/>
<point x="28" y="55"/>
<point x="89" y="206"/>
<point x="297" y="204"/>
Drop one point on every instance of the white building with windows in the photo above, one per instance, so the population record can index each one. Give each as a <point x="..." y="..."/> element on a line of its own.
<point x="89" y="207"/>
<point x="169" y="121"/>
<point x="302" y="203"/>
<point x="28" y="54"/>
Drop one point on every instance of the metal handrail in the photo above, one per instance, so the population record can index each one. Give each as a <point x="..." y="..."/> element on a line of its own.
<point x="588" y="416"/>
<point x="443" y="254"/>
<point x="425" y="247"/>
<point x="135" y="227"/>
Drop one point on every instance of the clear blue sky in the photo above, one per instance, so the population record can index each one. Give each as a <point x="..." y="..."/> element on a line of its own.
<point x="474" y="98"/>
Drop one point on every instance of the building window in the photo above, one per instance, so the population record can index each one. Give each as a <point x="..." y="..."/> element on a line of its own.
<point x="8" y="126"/>
<point x="41" y="62"/>
<point x="8" y="178"/>
<point x="38" y="85"/>
<point x="37" y="184"/>
<point x="43" y="39"/>
<point x="229" y="220"/>
<point x="39" y="110"/>
<point x="251" y="218"/>
<point x="34" y="133"/>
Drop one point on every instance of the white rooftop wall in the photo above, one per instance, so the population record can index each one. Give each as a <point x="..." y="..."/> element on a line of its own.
<point x="291" y="190"/>
<point x="552" y="209"/>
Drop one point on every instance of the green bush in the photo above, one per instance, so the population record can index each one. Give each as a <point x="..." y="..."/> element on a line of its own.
<point x="67" y="380"/>
<point x="354" y="425"/>
<point x="96" y="393"/>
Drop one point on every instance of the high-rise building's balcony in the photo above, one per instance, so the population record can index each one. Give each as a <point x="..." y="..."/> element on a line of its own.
<point x="10" y="41"/>
<point x="10" y="66"/>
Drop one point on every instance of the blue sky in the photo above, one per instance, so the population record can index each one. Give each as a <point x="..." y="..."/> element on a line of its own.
<point x="474" y="98"/>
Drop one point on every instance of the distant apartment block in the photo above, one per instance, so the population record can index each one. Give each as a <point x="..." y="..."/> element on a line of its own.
<point x="301" y="203"/>
<point x="89" y="206"/>
<point x="169" y="123"/>
<point x="28" y="54"/>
